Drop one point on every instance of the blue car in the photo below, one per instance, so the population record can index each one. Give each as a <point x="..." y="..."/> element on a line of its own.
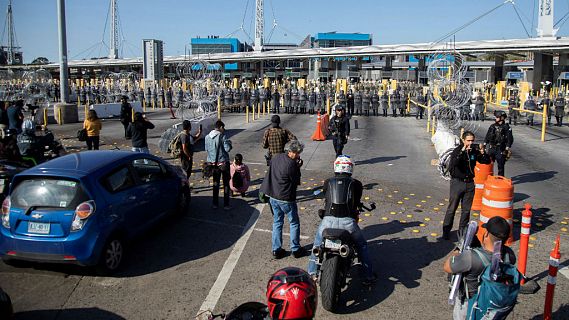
<point x="84" y="207"/>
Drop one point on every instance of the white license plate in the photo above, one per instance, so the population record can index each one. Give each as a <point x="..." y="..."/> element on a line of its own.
<point x="332" y="244"/>
<point x="38" y="227"/>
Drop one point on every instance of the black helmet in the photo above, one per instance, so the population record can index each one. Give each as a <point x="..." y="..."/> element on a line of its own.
<point x="500" y="114"/>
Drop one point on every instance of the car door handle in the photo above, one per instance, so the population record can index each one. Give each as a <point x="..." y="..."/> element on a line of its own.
<point x="132" y="198"/>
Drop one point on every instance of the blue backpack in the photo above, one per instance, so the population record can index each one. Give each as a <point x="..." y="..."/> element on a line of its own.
<point x="494" y="299"/>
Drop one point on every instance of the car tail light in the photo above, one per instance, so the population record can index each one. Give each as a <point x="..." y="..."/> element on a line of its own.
<point x="82" y="213"/>
<point x="6" y="212"/>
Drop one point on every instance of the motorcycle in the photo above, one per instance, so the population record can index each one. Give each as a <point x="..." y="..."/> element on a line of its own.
<point x="335" y="255"/>
<point x="246" y="311"/>
<point x="52" y="149"/>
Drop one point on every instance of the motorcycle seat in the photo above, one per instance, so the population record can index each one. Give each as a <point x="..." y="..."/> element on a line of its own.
<point x="337" y="234"/>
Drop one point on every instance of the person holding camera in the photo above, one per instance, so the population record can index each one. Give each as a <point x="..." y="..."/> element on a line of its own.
<point x="280" y="184"/>
<point x="461" y="167"/>
<point x="217" y="147"/>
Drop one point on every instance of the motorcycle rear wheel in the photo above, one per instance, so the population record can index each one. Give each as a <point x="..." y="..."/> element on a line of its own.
<point x="330" y="284"/>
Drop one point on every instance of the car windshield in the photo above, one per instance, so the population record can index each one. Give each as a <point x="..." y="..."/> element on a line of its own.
<point x="47" y="192"/>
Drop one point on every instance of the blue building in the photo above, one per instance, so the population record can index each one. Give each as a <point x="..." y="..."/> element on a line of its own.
<point x="335" y="39"/>
<point x="214" y="44"/>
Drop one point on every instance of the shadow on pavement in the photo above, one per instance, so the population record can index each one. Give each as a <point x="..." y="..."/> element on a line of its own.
<point x="379" y="160"/>
<point x="540" y="221"/>
<point x="72" y="314"/>
<point x="560" y="314"/>
<point x="395" y="266"/>
<point x="174" y="241"/>
<point x="533" y="177"/>
<point x="519" y="197"/>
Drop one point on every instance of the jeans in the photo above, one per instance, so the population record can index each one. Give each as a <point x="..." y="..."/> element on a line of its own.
<point x="463" y="193"/>
<point x="352" y="227"/>
<point x="280" y="208"/>
<point x="143" y="149"/>
<point x="225" y="176"/>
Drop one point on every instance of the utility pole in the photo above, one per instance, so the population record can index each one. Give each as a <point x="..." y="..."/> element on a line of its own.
<point x="114" y="38"/>
<point x="63" y="72"/>
<point x="259" y="25"/>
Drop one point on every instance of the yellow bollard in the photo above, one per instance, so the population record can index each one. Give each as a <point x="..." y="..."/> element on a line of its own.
<point x="408" y="103"/>
<point x="433" y="127"/>
<point x="161" y="104"/>
<point x="86" y="111"/>
<point x="543" y="124"/>
<point x="132" y="115"/>
<point x="59" y="116"/>
<point x="218" y="108"/>
<point x="247" y="114"/>
<point x="144" y="105"/>
<point x="259" y="109"/>
<point x="45" y="117"/>
<point x="153" y="105"/>
<point x="78" y="101"/>
<point x="328" y="106"/>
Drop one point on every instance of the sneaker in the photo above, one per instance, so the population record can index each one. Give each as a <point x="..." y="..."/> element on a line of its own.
<point x="279" y="253"/>
<point x="227" y="208"/>
<point x="369" y="281"/>
<point x="301" y="252"/>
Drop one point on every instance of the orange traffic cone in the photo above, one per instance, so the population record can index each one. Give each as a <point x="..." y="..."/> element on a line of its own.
<point x="318" y="135"/>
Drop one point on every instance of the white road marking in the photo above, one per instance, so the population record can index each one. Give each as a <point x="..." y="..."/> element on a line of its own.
<point x="564" y="270"/>
<point x="217" y="289"/>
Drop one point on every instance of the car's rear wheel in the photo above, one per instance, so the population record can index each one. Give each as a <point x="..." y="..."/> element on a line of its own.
<point x="111" y="256"/>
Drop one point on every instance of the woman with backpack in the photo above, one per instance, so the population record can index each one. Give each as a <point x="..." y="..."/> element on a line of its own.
<point x="93" y="126"/>
<point x="240" y="176"/>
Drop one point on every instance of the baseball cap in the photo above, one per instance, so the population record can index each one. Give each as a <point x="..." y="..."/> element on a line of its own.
<point x="340" y="107"/>
<point x="498" y="227"/>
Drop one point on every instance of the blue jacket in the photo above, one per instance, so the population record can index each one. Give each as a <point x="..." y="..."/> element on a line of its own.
<point x="211" y="141"/>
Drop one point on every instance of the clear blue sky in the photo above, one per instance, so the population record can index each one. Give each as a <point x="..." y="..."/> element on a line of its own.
<point x="176" y="21"/>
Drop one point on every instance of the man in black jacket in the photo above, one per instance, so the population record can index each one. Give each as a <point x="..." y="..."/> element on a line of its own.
<point x="340" y="128"/>
<point x="461" y="167"/>
<point x="137" y="131"/>
<point x="126" y="113"/>
<point x="280" y="184"/>
<point x="499" y="140"/>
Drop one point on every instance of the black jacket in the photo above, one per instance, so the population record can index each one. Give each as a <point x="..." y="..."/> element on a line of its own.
<point x="350" y="209"/>
<point x="339" y="125"/>
<point x="462" y="163"/>
<point x="282" y="179"/>
<point x="137" y="131"/>
<point x="500" y="135"/>
<point x="126" y="113"/>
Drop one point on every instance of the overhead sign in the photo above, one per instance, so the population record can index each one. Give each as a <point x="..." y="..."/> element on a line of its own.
<point x="515" y="75"/>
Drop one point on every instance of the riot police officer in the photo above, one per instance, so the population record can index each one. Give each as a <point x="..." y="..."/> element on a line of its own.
<point x="319" y="101"/>
<point x="513" y="103"/>
<point x="357" y="103"/>
<point x="287" y="100"/>
<point x="384" y="102"/>
<point x="276" y="101"/>
<point x="375" y="103"/>
<point x="350" y="102"/>
<point x="401" y="103"/>
<point x="342" y="98"/>
<point x="228" y="97"/>
<point x="340" y="128"/>
<point x="302" y="101"/>
<point x="479" y="107"/>
<point x="295" y="101"/>
<point x="546" y="103"/>
<point x="365" y="103"/>
<point x="499" y="140"/>
<point x="421" y="99"/>
<point x="393" y="101"/>
<point x="559" y="109"/>
<point x="529" y="105"/>
<point x="311" y="101"/>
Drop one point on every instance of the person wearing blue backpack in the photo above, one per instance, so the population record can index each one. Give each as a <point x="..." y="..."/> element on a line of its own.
<point x="490" y="286"/>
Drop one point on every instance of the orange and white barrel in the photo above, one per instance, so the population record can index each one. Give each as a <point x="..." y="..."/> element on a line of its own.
<point x="481" y="173"/>
<point x="497" y="200"/>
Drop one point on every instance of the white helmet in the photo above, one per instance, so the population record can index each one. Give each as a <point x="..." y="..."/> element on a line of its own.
<point x="343" y="164"/>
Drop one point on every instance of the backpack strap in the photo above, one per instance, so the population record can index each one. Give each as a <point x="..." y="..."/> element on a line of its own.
<point x="482" y="256"/>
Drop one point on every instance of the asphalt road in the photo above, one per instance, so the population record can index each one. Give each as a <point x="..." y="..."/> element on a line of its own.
<point x="219" y="259"/>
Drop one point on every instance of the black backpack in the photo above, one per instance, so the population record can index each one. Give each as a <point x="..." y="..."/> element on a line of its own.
<point x="237" y="180"/>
